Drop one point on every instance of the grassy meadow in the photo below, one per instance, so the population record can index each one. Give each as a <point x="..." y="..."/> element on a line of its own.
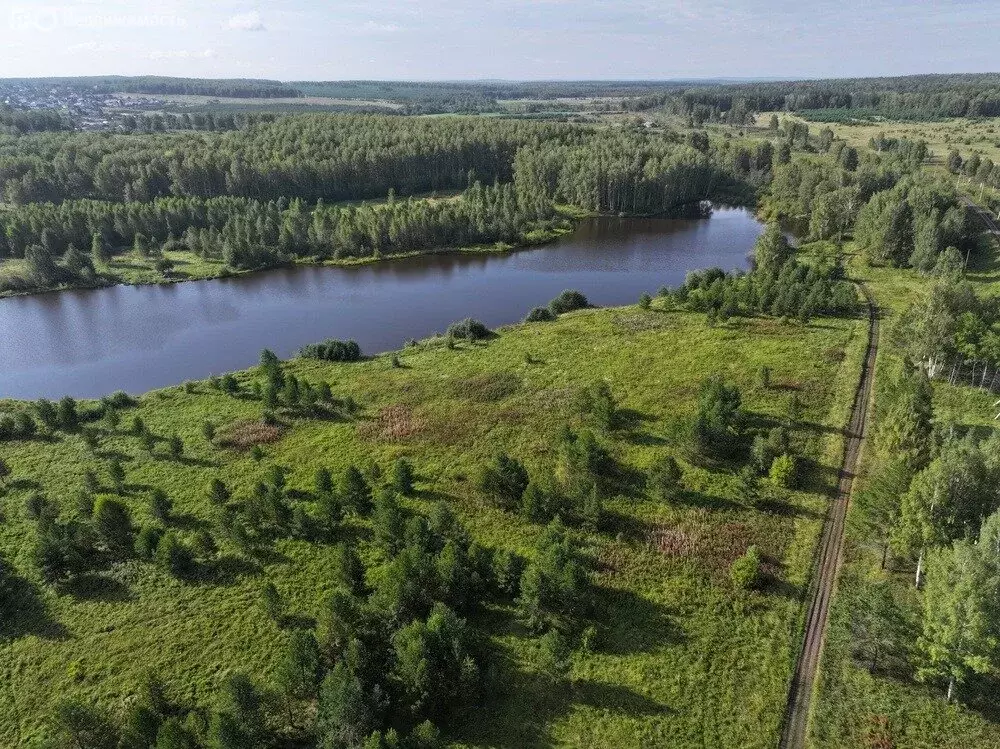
<point x="680" y="658"/>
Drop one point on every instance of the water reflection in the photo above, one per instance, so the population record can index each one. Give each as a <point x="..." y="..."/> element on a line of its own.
<point x="89" y="343"/>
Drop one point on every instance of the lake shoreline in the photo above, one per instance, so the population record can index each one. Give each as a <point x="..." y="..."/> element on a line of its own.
<point x="546" y="237"/>
<point x="90" y="342"/>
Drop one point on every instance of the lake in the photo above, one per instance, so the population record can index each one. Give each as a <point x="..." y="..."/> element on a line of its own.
<point x="88" y="343"/>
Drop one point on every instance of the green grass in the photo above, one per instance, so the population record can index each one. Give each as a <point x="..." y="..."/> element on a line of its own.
<point x="853" y="707"/>
<point x="681" y="659"/>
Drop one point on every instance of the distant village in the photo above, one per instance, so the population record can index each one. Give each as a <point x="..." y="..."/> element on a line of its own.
<point x="85" y="110"/>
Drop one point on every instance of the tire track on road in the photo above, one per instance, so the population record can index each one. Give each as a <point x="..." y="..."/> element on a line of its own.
<point x="824" y="580"/>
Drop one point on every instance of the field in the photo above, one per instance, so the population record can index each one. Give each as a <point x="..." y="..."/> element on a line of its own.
<point x="182" y="102"/>
<point x="680" y="657"/>
<point x="965" y="136"/>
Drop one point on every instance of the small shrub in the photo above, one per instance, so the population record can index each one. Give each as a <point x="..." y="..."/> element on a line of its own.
<point x="147" y="542"/>
<point x="503" y="481"/>
<point x="333" y="350"/>
<point x="745" y="571"/>
<point x="469" y="329"/>
<point x="160" y="505"/>
<point x="402" y="477"/>
<point x="784" y="471"/>
<point x="568" y="301"/>
<point x="540" y="314"/>
<point x="645" y="301"/>
<point x="664" y="481"/>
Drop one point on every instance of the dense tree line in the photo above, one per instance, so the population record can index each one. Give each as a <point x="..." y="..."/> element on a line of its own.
<point x="638" y="174"/>
<point x="929" y="499"/>
<point x="951" y="332"/>
<point x="778" y="285"/>
<point x="979" y="169"/>
<point x="253" y="234"/>
<point x="334" y="157"/>
<point x="20" y="121"/>
<point x="154" y="84"/>
<point x="161" y="122"/>
<point x="907" y="97"/>
<point x="913" y="223"/>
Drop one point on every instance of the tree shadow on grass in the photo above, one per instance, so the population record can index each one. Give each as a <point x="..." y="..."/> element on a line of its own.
<point x="23" y="485"/>
<point x="94" y="586"/>
<point x="818" y="477"/>
<point x="645" y="439"/>
<point x="783" y="508"/>
<point x="105" y="454"/>
<point x="187" y="522"/>
<point x="525" y="704"/>
<point x="979" y="694"/>
<point x="27" y="612"/>
<point x="705" y="501"/>
<point x="617" y="698"/>
<point x="619" y="478"/>
<point x="628" y="526"/>
<point x="229" y="569"/>
<point x="200" y="462"/>
<point x="773" y="584"/>
<point x="633" y="624"/>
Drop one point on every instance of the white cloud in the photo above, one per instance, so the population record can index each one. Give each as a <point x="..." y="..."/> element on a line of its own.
<point x="250" y="21"/>
<point x="180" y="54"/>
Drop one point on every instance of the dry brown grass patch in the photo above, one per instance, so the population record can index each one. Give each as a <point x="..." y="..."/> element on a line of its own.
<point x="392" y="424"/>
<point x="244" y="434"/>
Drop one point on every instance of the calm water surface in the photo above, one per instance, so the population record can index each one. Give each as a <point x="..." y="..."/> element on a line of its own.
<point x="89" y="343"/>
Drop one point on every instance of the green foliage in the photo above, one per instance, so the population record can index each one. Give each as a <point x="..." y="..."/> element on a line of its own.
<point x="298" y="671"/>
<point x="746" y="570"/>
<point x="332" y="350"/>
<point x="355" y="491"/>
<point x="784" y="471"/>
<point x="174" y="556"/>
<point x="160" y="505"/>
<point x="718" y="419"/>
<point x="664" y="479"/>
<point x="503" y="481"/>
<point x="553" y="655"/>
<point x="113" y="525"/>
<point x="469" y="329"/>
<point x="540" y="314"/>
<point x="403" y="476"/>
<point x="388" y="522"/>
<point x="80" y="725"/>
<point x="554" y="584"/>
<point x="434" y="664"/>
<point x="771" y="251"/>
<point x="568" y="301"/>
<point x="597" y="403"/>
<point x="958" y="637"/>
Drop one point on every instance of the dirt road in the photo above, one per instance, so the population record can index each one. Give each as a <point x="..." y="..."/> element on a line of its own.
<point x="824" y="580"/>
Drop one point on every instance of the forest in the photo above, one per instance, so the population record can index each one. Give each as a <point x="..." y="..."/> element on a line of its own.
<point x="78" y="200"/>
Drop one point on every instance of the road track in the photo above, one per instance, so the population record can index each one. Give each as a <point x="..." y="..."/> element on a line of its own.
<point x="794" y="730"/>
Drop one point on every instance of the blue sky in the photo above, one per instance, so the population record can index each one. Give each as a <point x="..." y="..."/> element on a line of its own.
<point x="511" y="39"/>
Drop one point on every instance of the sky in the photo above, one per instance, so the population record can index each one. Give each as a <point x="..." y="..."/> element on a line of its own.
<point x="499" y="39"/>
